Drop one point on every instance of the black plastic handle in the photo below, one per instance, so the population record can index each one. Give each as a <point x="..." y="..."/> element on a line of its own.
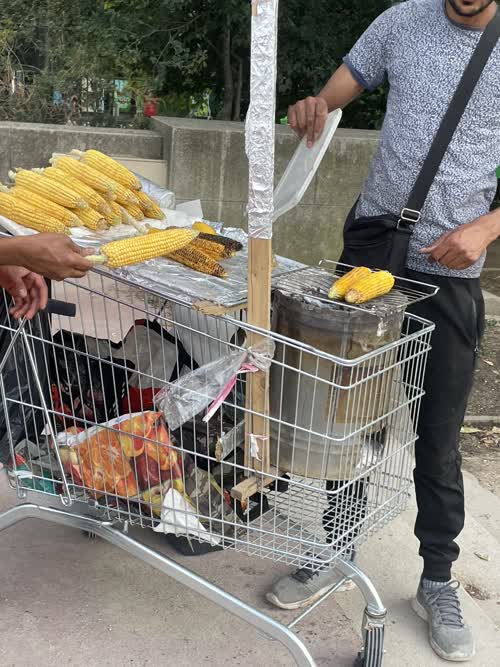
<point x="56" y="307"/>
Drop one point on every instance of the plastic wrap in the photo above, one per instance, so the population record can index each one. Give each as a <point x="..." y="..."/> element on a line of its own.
<point x="164" y="197"/>
<point x="260" y="125"/>
<point x="187" y="397"/>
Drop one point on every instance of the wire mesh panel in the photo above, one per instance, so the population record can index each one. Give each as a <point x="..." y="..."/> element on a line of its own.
<point x="128" y="382"/>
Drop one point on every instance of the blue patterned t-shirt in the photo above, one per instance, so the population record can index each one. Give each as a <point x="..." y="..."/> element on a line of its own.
<point x="423" y="54"/>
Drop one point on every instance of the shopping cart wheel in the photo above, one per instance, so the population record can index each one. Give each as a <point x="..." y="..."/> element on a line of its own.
<point x="373" y="650"/>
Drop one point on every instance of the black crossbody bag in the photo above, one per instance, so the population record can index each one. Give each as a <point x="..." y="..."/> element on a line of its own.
<point x="382" y="241"/>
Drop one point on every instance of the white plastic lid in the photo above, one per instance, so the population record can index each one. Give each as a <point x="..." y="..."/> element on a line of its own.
<point x="302" y="167"/>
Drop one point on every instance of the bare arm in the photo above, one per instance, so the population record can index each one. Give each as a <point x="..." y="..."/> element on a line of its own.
<point x="309" y="116"/>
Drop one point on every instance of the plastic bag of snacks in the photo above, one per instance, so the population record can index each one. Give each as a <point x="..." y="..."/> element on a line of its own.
<point x="122" y="457"/>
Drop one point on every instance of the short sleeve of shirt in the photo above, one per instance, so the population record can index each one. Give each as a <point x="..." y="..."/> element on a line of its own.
<point x="367" y="59"/>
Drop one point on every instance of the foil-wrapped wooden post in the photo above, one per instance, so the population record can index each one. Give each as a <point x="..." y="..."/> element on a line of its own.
<point x="260" y="135"/>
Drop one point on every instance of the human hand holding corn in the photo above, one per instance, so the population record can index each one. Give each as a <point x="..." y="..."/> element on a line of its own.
<point x="54" y="256"/>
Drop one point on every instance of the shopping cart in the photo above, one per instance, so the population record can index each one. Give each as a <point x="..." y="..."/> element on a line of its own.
<point x="341" y="429"/>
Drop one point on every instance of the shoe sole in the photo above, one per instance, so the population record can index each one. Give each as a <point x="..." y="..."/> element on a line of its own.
<point x="422" y="613"/>
<point x="271" y="597"/>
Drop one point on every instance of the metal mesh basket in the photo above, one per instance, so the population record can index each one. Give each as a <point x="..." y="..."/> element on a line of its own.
<point x="342" y="427"/>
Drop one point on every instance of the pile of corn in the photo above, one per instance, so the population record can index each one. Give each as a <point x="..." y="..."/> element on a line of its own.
<point x="87" y="189"/>
<point x="361" y="285"/>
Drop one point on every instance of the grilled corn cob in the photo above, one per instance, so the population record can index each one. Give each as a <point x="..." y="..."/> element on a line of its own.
<point x="91" y="196"/>
<point x="198" y="261"/>
<point x="86" y="174"/>
<point x="106" y="165"/>
<point x="213" y="250"/>
<point x="226" y="241"/>
<point x="47" y="188"/>
<point x="93" y="220"/>
<point x="149" y="207"/>
<point x="27" y="216"/>
<point x="203" y="228"/>
<point x="341" y="286"/>
<point x="134" y="210"/>
<point x="376" y="284"/>
<point x="44" y="206"/>
<point x="142" y="248"/>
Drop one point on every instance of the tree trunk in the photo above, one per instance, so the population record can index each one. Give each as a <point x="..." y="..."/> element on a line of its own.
<point x="227" y="110"/>
<point x="238" y="86"/>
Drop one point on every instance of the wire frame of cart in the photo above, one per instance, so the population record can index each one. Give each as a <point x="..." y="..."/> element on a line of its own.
<point x="124" y="386"/>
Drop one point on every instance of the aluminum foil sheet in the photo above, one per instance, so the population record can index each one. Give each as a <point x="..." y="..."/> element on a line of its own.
<point x="260" y="123"/>
<point x="170" y="279"/>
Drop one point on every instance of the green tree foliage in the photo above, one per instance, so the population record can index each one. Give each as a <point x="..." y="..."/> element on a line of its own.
<point x="172" y="49"/>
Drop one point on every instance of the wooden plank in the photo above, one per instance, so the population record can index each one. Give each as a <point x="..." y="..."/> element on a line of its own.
<point x="259" y="315"/>
<point x="252" y="485"/>
<point x="209" y="308"/>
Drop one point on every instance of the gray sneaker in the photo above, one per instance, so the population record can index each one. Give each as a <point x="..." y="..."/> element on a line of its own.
<point x="304" y="586"/>
<point x="450" y="638"/>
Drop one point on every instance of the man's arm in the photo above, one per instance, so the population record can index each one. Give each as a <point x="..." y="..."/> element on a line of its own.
<point x="309" y="116"/>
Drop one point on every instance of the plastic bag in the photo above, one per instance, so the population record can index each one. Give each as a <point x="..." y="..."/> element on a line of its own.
<point x="202" y="509"/>
<point x="164" y="197"/>
<point x="193" y="392"/>
<point x="122" y="457"/>
<point x="84" y="384"/>
<point x="210" y="384"/>
<point x="20" y="389"/>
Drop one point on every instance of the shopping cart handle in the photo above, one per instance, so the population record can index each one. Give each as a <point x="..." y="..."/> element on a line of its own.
<point x="56" y="307"/>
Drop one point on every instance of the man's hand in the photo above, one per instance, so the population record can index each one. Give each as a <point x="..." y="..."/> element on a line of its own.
<point x="308" y="117"/>
<point x="464" y="246"/>
<point x="54" y="256"/>
<point x="28" y="290"/>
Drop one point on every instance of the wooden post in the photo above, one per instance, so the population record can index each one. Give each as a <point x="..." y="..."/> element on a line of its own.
<point x="260" y="134"/>
<point x="259" y="314"/>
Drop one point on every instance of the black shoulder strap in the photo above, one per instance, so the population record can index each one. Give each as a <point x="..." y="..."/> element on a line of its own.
<point x="451" y="119"/>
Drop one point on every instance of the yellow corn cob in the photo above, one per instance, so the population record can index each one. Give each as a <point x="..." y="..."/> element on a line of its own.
<point x="27" y="216"/>
<point x="213" y="250"/>
<point x="106" y="165"/>
<point x="91" y="196"/>
<point x="376" y="284"/>
<point x="149" y="207"/>
<point x="47" y="188"/>
<point x="142" y="248"/>
<point x="134" y="210"/>
<point x="86" y="174"/>
<point x="93" y="220"/>
<point x="124" y="196"/>
<point x="204" y="228"/>
<point x="198" y="261"/>
<point x="44" y="206"/>
<point x="341" y="286"/>
<point x="116" y="217"/>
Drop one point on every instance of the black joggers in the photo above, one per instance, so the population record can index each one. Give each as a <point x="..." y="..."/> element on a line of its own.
<point x="458" y="313"/>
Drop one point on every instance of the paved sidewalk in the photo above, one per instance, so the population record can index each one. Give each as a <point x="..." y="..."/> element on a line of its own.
<point x="68" y="600"/>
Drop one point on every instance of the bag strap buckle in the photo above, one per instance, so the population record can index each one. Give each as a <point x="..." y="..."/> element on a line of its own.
<point x="407" y="219"/>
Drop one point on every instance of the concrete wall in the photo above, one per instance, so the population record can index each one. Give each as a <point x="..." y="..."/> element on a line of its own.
<point x="32" y="144"/>
<point x="206" y="160"/>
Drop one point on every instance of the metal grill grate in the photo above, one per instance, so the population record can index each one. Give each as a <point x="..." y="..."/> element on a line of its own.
<point x="314" y="283"/>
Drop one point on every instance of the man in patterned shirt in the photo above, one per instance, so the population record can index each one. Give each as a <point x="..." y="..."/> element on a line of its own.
<point x="422" y="48"/>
